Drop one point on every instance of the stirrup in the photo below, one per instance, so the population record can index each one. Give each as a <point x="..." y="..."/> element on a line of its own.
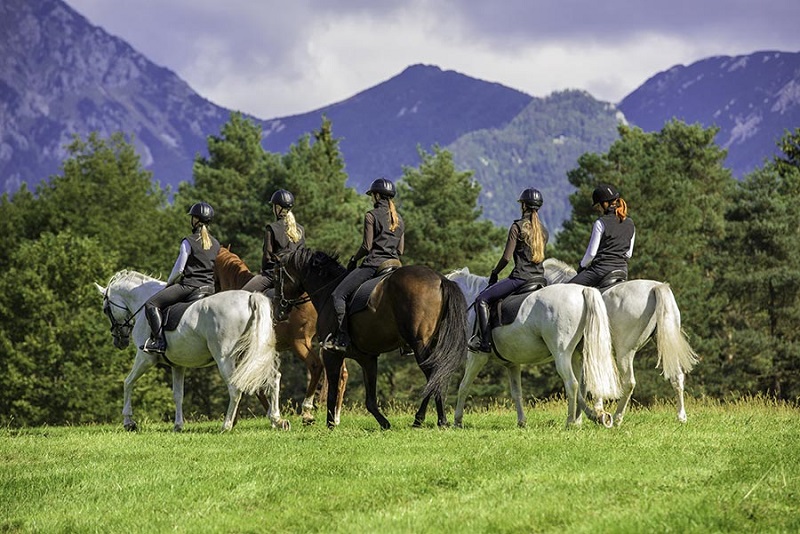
<point x="154" y="346"/>
<point x="476" y="344"/>
<point x="333" y="343"/>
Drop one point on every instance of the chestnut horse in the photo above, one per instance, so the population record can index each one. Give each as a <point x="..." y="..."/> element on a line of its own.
<point x="413" y="307"/>
<point x="295" y="333"/>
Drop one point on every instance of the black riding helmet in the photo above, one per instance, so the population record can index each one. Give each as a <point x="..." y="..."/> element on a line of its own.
<point x="383" y="187"/>
<point x="203" y="211"/>
<point x="282" y="198"/>
<point x="532" y="198"/>
<point x="604" y="193"/>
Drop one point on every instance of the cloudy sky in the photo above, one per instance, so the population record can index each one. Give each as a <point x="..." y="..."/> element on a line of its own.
<point x="275" y="58"/>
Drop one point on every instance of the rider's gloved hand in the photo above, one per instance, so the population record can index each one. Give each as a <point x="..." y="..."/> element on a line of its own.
<point x="351" y="265"/>
<point x="493" y="278"/>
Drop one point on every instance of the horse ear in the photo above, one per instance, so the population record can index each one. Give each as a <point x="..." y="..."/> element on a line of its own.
<point x="100" y="288"/>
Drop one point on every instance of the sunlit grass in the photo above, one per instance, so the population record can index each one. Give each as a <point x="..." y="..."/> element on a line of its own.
<point x="733" y="467"/>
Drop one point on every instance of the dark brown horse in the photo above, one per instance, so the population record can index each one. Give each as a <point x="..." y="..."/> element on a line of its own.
<point x="413" y="307"/>
<point x="295" y="333"/>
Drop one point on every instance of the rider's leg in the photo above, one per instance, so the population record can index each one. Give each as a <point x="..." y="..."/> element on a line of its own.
<point x="340" y="295"/>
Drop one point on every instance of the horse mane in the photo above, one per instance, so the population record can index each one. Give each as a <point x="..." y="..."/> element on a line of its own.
<point x="305" y="258"/>
<point x="470" y="284"/>
<point x="134" y="277"/>
<point x="230" y="271"/>
<point x="557" y="271"/>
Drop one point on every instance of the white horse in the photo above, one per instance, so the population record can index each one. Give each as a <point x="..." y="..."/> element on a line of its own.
<point x="638" y="309"/>
<point x="550" y="325"/>
<point x="232" y="329"/>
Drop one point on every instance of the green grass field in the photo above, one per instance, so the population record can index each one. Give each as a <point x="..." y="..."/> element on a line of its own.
<point x="731" y="468"/>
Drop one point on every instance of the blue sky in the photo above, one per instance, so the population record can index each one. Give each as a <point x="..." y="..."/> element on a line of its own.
<point x="275" y="58"/>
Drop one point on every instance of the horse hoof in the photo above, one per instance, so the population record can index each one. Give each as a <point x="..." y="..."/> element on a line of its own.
<point x="522" y="424"/>
<point x="177" y="428"/>
<point x="415" y="424"/>
<point x="458" y="424"/>
<point x="308" y="421"/>
<point x="284" y="424"/>
<point x="607" y="420"/>
<point x="131" y="427"/>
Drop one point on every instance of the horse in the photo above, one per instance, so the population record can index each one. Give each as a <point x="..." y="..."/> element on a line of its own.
<point x="549" y="326"/>
<point x="640" y="310"/>
<point x="413" y="307"/>
<point x="232" y="329"/>
<point x="295" y="333"/>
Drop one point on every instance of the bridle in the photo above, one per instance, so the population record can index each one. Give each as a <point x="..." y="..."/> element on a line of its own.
<point x="120" y="331"/>
<point x="283" y="302"/>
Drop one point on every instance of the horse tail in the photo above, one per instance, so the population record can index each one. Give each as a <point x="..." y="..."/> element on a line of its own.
<point x="257" y="360"/>
<point x="447" y="350"/>
<point x="674" y="352"/>
<point x="599" y="368"/>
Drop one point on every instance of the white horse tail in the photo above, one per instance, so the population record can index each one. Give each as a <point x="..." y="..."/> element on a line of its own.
<point x="674" y="352"/>
<point x="599" y="368"/>
<point x="257" y="360"/>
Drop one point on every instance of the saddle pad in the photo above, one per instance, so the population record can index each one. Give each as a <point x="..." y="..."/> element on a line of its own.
<point x="505" y="311"/>
<point x="174" y="314"/>
<point x="360" y="297"/>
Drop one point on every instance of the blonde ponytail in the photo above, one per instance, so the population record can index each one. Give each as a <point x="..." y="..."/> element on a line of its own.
<point x="533" y="233"/>
<point x="205" y="237"/>
<point x="394" y="220"/>
<point x="292" y="231"/>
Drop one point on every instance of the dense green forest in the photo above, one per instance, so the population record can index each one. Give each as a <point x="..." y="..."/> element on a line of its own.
<point x="726" y="247"/>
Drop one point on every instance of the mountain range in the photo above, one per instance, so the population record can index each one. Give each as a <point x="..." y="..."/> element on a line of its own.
<point x="60" y="75"/>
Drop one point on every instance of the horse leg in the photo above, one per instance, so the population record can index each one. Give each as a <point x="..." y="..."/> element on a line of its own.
<point x="225" y="367"/>
<point x="333" y="366"/>
<point x="141" y="365"/>
<point x="419" y="417"/>
<point x="369" y="364"/>
<point x="571" y="387"/>
<point x="475" y="362"/>
<point x="343" y="376"/>
<point x="627" y="381"/>
<point x="314" y="369"/>
<point x="515" y="383"/>
<point x="275" y="411"/>
<point x="677" y="385"/>
<point x="597" y="414"/>
<point x="178" y="374"/>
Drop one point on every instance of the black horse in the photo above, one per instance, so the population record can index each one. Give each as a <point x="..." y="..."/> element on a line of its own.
<point x="413" y="307"/>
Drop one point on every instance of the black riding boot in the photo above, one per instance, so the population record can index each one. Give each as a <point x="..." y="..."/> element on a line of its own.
<point x="156" y="344"/>
<point x="480" y="341"/>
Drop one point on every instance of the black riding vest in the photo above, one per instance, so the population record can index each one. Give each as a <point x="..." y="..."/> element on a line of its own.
<point x="384" y="241"/>
<point x="524" y="267"/>
<point x="199" y="270"/>
<point x="614" y="243"/>
<point x="281" y="244"/>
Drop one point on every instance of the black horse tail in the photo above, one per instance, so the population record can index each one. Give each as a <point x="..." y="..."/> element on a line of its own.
<point x="447" y="349"/>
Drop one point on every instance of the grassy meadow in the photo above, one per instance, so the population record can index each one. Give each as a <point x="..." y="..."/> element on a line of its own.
<point x="731" y="468"/>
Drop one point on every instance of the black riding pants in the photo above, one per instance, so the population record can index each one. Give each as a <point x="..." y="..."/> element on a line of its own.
<point x="346" y="287"/>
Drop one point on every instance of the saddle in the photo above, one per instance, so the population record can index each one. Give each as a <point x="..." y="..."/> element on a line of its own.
<point x="174" y="313"/>
<point x="612" y="278"/>
<point x="360" y="297"/>
<point x="505" y="310"/>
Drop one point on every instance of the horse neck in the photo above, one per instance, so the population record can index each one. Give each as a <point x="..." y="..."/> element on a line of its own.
<point x="136" y="294"/>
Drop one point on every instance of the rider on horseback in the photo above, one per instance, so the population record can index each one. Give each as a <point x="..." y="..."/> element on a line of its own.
<point x="383" y="240"/>
<point x="282" y="236"/>
<point x="611" y="243"/>
<point x="192" y="275"/>
<point x="526" y="241"/>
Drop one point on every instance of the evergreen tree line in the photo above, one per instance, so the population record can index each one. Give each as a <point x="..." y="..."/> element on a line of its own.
<point x="726" y="248"/>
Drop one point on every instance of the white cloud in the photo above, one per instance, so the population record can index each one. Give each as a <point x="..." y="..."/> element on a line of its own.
<point x="271" y="58"/>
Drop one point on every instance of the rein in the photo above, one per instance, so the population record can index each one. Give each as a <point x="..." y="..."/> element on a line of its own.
<point x="116" y="327"/>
